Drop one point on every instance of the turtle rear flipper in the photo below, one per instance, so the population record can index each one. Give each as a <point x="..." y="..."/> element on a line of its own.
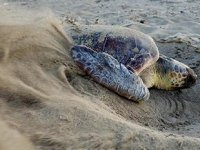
<point x="106" y="70"/>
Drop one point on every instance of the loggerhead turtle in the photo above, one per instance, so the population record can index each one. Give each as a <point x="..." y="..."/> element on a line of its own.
<point x="127" y="61"/>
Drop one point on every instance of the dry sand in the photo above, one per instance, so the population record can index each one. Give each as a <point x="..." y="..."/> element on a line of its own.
<point x="47" y="101"/>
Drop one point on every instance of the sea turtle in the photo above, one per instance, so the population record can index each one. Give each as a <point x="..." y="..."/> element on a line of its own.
<point x="127" y="61"/>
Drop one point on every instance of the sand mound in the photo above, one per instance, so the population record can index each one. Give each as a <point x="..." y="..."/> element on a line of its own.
<point x="12" y="139"/>
<point x="50" y="101"/>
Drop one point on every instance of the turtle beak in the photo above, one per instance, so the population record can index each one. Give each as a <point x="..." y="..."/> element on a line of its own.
<point x="191" y="78"/>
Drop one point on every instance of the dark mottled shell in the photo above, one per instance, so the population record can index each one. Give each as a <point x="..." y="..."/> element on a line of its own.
<point x="132" y="48"/>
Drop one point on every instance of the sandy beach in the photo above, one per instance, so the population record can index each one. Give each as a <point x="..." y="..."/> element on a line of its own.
<point x="48" y="103"/>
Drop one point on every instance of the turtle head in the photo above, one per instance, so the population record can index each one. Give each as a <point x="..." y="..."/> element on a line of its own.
<point x="172" y="74"/>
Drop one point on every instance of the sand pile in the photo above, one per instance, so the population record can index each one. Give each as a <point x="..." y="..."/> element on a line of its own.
<point x="47" y="100"/>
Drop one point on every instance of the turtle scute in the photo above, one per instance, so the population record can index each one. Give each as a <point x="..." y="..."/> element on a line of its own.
<point x="107" y="71"/>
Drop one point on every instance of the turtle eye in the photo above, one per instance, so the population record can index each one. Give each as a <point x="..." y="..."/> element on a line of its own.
<point x="191" y="78"/>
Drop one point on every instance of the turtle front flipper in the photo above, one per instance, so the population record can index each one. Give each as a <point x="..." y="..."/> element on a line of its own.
<point x="106" y="70"/>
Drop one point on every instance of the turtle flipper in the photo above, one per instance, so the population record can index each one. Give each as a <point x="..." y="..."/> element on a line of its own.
<point x="106" y="70"/>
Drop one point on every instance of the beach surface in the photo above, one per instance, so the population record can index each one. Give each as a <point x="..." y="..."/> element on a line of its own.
<point x="48" y="103"/>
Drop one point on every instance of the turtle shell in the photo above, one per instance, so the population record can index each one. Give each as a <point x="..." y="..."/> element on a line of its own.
<point x="114" y="56"/>
<point x="132" y="48"/>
